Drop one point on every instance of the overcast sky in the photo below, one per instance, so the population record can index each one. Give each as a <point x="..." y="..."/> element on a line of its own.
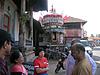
<point x="88" y="10"/>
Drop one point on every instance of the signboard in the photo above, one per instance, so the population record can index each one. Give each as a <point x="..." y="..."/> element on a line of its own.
<point x="28" y="43"/>
<point x="57" y="30"/>
<point x="53" y="19"/>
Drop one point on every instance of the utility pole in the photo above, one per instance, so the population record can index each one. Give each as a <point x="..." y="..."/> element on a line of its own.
<point x="26" y="43"/>
<point x="31" y="23"/>
<point x="22" y="28"/>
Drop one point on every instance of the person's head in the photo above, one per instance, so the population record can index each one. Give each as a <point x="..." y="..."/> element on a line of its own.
<point x="5" y="42"/>
<point x="78" y="51"/>
<point x="16" y="57"/>
<point x="40" y="52"/>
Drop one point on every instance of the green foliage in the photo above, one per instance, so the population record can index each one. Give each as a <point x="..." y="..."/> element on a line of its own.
<point x="23" y="18"/>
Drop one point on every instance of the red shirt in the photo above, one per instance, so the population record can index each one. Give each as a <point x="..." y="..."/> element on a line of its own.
<point x="40" y="63"/>
<point x="19" y="68"/>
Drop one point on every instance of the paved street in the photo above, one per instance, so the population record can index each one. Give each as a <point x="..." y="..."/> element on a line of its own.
<point x="96" y="54"/>
<point x="52" y="68"/>
<point x="96" y="57"/>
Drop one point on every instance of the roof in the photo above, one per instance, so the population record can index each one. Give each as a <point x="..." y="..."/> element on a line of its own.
<point x="72" y="19"/>
<point x="94" y="38"/>
<point x="37" y="26"/>
<point x="37" y="5"/>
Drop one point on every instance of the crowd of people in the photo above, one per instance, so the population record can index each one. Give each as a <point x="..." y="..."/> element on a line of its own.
<point x="73" y="58"/>
<point x="16" y="58"/>
<point x="78" y="62"/>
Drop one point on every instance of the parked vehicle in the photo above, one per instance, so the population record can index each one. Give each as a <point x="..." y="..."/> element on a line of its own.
<point x="87" y="47"/>
<point x="92" y="43"/>
<point x="68" y="44"/>
<point x="96" y="48"/>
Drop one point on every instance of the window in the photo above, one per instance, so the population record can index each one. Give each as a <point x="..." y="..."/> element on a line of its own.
<point x="6" y="22"/>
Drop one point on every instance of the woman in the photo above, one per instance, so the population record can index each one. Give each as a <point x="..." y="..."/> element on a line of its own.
<point x="17" y="68"/>
<point x="40" y="63"/>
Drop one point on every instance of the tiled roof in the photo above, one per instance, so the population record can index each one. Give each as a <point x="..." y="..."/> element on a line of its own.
<point x="72" y="19"/>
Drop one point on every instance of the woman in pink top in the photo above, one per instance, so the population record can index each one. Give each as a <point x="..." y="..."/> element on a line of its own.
<point x="17" y="68"/>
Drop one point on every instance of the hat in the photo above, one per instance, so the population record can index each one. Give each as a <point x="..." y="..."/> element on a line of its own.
<point x="4" y="35"/>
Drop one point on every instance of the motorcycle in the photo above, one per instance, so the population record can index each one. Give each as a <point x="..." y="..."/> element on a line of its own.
<point x="60" y="63"/>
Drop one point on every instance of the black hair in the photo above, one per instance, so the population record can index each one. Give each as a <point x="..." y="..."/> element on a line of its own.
<point x="4" y="36"/>
<point x="14" y="56"/>
<point x="2" y="42"/>
<point x="38" y="51"/>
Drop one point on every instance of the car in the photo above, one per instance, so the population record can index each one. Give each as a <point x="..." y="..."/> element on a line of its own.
<point x="92" y="43"/>
<point x="87" y="47"/>
<point x="68" y="44"/>
<point x="96" y="48"/>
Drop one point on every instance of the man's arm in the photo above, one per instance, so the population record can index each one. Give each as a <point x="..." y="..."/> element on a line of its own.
<point x="40" y="70"/>
<point x="92" y="62"/>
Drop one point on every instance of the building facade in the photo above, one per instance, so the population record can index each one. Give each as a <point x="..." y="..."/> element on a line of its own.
<point x="11" y="14"/>
<point x="9" y="18"/>
<point x="73" y="28"/>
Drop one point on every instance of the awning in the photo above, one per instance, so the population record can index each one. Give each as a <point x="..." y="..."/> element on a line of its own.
<point x="37" y="5"/>
<point x="37" y="26"/>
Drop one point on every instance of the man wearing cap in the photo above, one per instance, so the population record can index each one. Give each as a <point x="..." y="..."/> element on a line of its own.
<point x="5" y="47"/>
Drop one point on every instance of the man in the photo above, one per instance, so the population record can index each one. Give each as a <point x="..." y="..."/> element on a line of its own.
<point x="70" y="62"/>
<point x="5" y="47"/>
<point x="40" y="63"/>
<point x="82" y="66"/>
<point x="60" y="63"/>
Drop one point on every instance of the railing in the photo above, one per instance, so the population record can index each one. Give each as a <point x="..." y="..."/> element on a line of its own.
<point x="55" y="55"/>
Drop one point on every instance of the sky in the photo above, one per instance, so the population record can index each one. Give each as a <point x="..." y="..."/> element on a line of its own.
<point x="88" y="10"/>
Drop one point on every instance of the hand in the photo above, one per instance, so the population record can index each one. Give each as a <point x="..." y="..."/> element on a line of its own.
<point x="47" y="68"/>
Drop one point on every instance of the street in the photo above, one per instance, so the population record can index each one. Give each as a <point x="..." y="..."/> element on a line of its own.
<point x="52" y="67"/>
<point x="96" y="57"/>
<point x="49" y="25"/>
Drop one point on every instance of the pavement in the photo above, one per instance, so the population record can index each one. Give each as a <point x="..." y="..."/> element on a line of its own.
<point x="52" y="66"/>
<point x="98" y="69"/>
